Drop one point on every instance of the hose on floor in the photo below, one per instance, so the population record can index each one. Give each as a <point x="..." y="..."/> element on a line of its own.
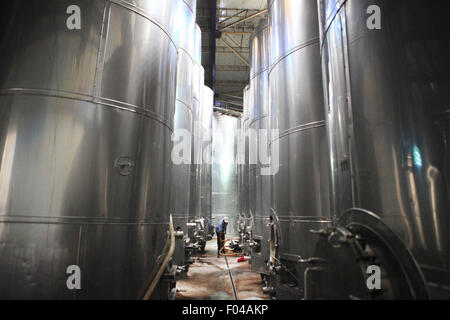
<point x="227" y="252"/>
<point x="171" y="240"/>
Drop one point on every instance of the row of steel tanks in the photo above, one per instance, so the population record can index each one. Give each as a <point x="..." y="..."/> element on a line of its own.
<point x="91" y="93"/>
<point x="200" y="195"/>
<point x="183" y="125"/>
<point x="244" y="220"/>
<point x="358" y="99"/>
<point x="191" y="176"/>
<point x="258" y="144"/>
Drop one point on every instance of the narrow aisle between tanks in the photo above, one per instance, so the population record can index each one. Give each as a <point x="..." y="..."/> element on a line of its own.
<point x="212" y="278"/>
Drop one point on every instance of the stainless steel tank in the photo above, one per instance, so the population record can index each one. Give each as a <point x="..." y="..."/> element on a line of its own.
<point x="197" y="87"/>
<point x="258" y="123"/>
<point x="245" y="154"/>
<point x="386" y="79"/>
<point x="224" y="171"/>
<point x="206" y="165"/>
<point x="85" y="128"/>
<point x="301" y="185"/>
<point x="245" y="218"/>
<point x="183" y="121"/>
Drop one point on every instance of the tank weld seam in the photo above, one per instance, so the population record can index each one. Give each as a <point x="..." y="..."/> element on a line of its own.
<point x="257" y="119"/>
<point x="188" y="54"/>
<point x="304" y="219"/>
<point x="358" y="36"/>
<point x="185" y="104"/>
<point x="82" y="222"/>
<point x="133" y="108"/>
<point x="259" y="73"/>
<point x="89" y="98"/>
<point x="129" y="6"/>
<point x="298" y="47"/>
<point x="79" y="220"/>
<point x="261" y="217"/>
<point x="302" y="216"/>
<point x="190" y="8"/>
<point x="328" y="22"/>
<point x="180" y="216"/>
<point x="304" y="127"/>
<point x="100" y="63"/>
<point x="199" y="64"/>
<point x="439" y="286"/>
<point x="17" y="215"/>
<point x="259" y="29"/>
<point x="434" y="268"/>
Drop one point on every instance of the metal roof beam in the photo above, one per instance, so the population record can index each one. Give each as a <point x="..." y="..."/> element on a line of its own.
<point x="235" y="52"/>
<point x="243" y="20"/>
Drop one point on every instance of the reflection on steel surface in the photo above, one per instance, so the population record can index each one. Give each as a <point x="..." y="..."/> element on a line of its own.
<point x="387" y="99"/>
<point x="86" y="117"/>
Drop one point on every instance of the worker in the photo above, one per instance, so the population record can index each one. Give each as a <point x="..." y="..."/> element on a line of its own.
<point x="221" y="230"/>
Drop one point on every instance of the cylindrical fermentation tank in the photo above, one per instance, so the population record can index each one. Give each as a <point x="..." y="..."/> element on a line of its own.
<point x="183" y="119"/>
<point x="86" y="120"/>
<point x="301" y="185"/>
<point x="259" y="126"/>
<point x="386" y="78"/>
<point x="245" y="155"/>
<point x="224" y="171"/>
<point x="197" y="86"/>
<point x="206" y="133"/>
<point x="243" y="149"/>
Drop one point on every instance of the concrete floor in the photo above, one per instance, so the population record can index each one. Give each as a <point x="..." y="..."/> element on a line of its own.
<point x="209" y="279"/>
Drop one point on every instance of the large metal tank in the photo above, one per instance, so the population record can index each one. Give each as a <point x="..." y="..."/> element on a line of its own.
<point x="85" y="127"/>
<point x="224" y="171"/>
<point x="206" y="165"/>
<point x="243" y="150"/>
<point x="245" y="154"/>
<point x="198" y="83"/>
<point x="386" y="78"/>
<point x="183" y="121"/>
<point x="259" y="124"/>
<point x="301" y="185"/>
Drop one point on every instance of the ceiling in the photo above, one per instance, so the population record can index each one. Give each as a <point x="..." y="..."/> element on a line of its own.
<point x="227" y="58"/>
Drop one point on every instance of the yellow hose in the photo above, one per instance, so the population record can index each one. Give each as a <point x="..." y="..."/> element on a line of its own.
<point x="227" y="252"/>
<point x="169" y="255"/>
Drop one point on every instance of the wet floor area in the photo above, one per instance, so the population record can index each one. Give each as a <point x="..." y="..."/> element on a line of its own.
<point x="212" y="278"/>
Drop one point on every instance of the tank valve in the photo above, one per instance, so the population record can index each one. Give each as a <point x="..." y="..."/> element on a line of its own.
<point x="322" y="232"/>
<point x="269" y="290"/>
<point x="244" y="258"/>
<point x="275" y="269"/>
<point x="179" y="234"/>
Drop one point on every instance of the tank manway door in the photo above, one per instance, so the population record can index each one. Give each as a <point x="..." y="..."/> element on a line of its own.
<point x="365" y="260"/>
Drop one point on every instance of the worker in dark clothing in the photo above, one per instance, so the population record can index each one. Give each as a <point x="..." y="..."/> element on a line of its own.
<point x="221" y="230"/>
